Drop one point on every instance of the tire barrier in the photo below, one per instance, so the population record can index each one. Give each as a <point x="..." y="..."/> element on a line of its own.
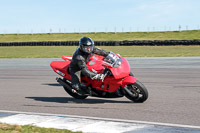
<point x="160" y="42"/>
<point x="107" y="43"/>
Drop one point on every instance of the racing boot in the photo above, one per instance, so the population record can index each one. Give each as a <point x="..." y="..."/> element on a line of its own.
<point x="84" y="88"/>
<point x="80" y="88"/>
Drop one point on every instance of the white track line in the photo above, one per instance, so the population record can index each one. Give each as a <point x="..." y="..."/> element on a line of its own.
<point x="107" y="119"/>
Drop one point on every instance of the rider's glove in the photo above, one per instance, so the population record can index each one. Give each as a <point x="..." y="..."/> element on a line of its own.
<point x="99" y="77"/>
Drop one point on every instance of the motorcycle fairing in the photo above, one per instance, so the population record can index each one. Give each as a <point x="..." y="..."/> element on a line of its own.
<point x="96" y="64"/>
<point x="67" y="57"/>
<point x="128" y="80"/>
<point x="122" y="71"/>
<point x="61" y="67"/>
<point x="110" y="84"/>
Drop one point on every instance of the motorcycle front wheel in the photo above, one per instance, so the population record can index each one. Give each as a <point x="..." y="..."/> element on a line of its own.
<point x="139" y="92"/>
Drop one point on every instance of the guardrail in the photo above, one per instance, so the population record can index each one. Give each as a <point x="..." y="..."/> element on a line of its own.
<point x="107" y="43"/>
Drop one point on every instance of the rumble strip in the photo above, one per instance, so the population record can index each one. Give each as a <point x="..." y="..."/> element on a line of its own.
<point x="90" y="124"/>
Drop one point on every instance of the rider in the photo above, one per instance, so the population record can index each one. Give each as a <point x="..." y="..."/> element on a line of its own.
<point x="79" y="60"/>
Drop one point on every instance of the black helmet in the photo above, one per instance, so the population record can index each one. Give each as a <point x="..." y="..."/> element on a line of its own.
<point x="86" y="45"/>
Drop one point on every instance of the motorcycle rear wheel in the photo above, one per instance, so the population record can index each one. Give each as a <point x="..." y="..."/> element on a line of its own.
<point x="74" y="95"/>
<point x="139" y="92"/>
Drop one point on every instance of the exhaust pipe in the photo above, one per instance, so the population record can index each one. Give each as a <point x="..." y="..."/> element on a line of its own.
<point x="61" y="82"/>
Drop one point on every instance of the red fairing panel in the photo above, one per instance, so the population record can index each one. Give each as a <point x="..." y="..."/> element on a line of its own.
<point x="67" y="57"/>
<point x="122" y="71"/>
<point x="95" y="64"/>
<point x="61" y="68"/>
<point x="110" y="84"/>
<point x="128" y="80"/>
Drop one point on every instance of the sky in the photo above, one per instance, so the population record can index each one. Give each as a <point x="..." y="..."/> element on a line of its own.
<point x="64" y="16"/>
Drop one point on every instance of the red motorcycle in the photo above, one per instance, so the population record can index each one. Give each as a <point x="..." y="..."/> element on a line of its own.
<point x="118" y="80"/>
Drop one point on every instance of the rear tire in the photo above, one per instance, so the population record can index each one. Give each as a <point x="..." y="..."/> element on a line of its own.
<point x="139" y="91"/>
<point x="74" y="95"/>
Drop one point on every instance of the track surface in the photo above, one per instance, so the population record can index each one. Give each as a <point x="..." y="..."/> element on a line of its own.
<point x="173" y="84"/>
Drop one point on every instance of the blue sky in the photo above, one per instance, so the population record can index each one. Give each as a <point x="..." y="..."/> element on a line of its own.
<point x="43" y="16"/>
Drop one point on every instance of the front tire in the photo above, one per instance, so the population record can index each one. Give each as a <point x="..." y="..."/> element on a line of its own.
<point x="139" y="92"/>
<point x="74" y="95"/>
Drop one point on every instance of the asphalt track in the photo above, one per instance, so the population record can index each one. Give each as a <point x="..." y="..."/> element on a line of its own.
<point x="173" y="83"/>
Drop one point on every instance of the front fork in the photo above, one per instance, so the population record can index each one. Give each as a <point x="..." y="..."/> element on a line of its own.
<point x="128" y="80"/>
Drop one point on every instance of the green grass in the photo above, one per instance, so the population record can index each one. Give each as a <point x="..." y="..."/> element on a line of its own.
<point x="6" y="128"/>
<point x="172" y="35"/>
<point x="126" y="51"/>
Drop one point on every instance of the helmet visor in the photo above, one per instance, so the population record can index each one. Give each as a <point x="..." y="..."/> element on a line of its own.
<point x="88" y="49"/>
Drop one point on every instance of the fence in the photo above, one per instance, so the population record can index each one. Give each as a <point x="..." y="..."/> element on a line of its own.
<point x="107" y="43"/>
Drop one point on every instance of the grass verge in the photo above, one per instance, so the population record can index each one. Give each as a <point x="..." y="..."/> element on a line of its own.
<point x="126" y="51"/>
<point x="6" y="128"/>
<point x="119" y="36"/>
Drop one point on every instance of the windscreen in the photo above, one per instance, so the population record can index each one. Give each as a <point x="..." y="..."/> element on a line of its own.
<point x="113" y="60"/>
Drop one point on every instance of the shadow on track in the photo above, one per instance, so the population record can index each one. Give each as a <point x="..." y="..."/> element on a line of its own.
<point x="55" y="84"/>
<point x="72" y="100"/>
